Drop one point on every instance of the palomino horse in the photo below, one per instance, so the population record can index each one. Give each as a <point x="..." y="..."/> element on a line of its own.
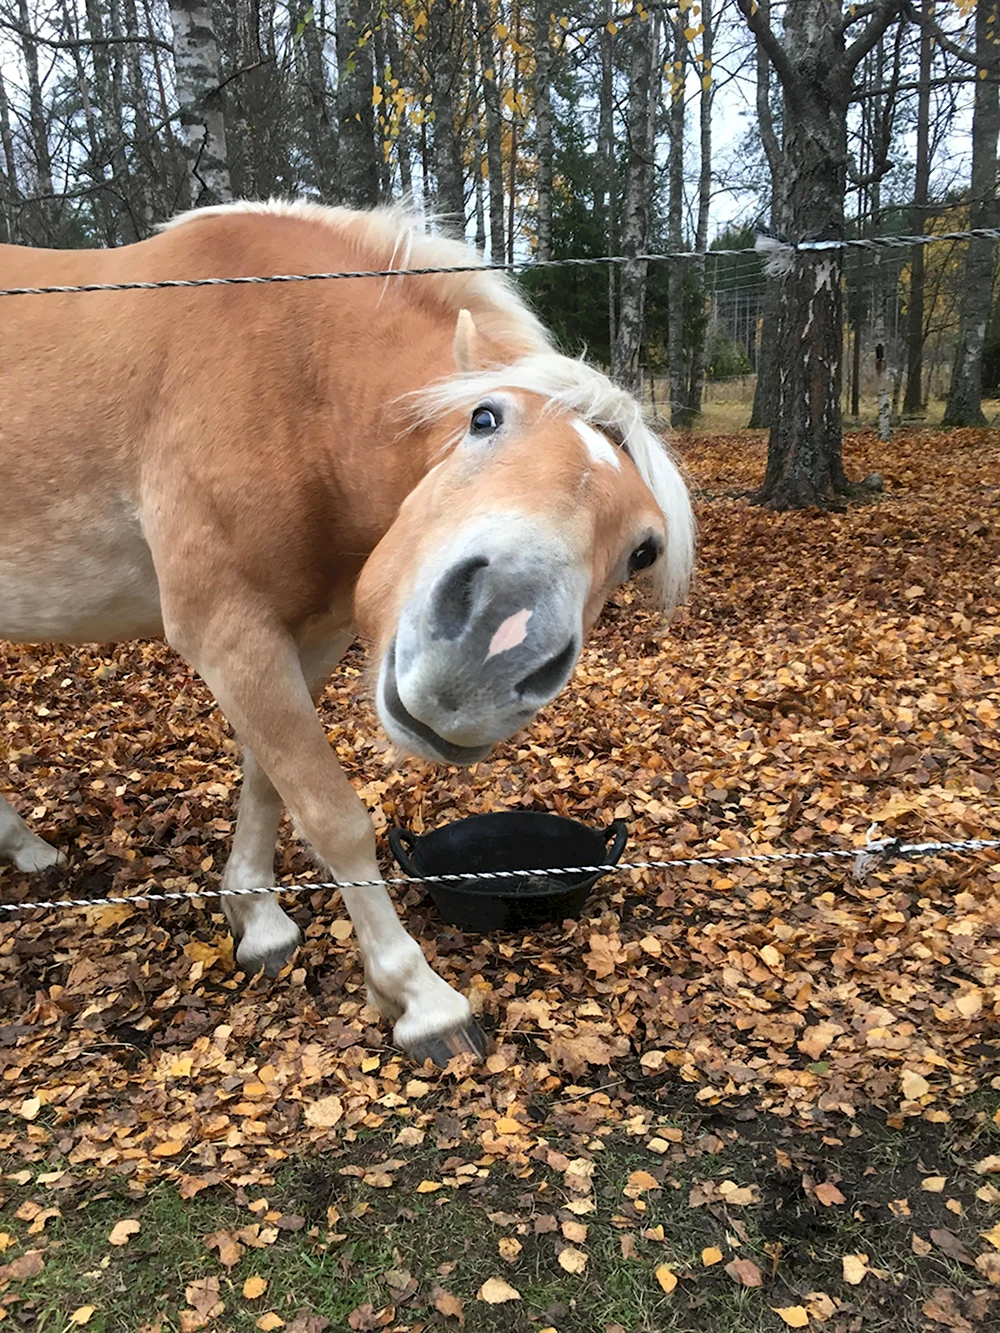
<point x="261" y="473"/>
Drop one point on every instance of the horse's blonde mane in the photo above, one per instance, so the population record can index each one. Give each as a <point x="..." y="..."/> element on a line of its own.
<point x="392" y="237"/>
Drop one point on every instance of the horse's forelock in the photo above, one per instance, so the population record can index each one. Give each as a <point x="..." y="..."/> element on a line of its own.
<point x="580" y="388"/>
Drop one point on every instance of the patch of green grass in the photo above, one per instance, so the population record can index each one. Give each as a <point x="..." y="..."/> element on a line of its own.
<point x="333" y="1262"/>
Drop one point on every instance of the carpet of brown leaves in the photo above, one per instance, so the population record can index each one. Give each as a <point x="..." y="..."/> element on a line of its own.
<point x="830" y="672"/>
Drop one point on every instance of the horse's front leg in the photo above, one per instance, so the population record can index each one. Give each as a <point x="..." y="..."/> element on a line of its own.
<point x="265" y="936"/>
<point x="255" y="674"/>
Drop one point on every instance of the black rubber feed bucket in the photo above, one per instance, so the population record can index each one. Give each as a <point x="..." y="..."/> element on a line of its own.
<point x="509" y="840"/>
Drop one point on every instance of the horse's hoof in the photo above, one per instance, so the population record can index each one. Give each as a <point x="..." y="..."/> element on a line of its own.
<point x="271" y="958"/>
<point x="440" y="1047"/>
<point x="37" y="855"/>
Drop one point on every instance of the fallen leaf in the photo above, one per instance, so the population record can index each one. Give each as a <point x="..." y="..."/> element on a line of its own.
<point x="254" y="1287"/>
<point x="572" y="1260"/>
<point x="509" y="1248"/>
<point x="745" y="1272"/>
<point x="710" y="1255"/>
<point x="795" y="1316"/>
<point x="933" y="1184"/>
<point x="122" y="1231"/>
<point x="666" y="1277"/>
<point x="82" y="1314"/>
<point x="495" y="1291"/>
<point x="230" y="1249"/>
<point x="855" y="1267"/>
<point x="828" y="1194"/>
<point x="447" y="1304"/>
<point x="951" y="1245"/>
<point x="325" y="1113"/>
<point x="270" y="1321"/>
<point x="914" y="1085"/>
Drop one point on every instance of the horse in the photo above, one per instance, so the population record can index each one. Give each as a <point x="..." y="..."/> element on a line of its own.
<point x="261" y="474"/>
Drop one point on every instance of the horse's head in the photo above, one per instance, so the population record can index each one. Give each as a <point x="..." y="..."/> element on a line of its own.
<point x="549" y="492"/>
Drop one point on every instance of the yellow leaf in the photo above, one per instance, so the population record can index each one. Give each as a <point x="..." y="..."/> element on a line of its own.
<point x="710" y="1255"/>
<point x="914" y="1085"/>
<point x="666" y="1277"/>
<point x="793" y="1315"/>
<point x="509" y="1248"/>
<point x="30" y="1108"/>
<point x="429" y="1186"/>
<point x="377" y="96"/>
<point x="254" y="1287"/>
<point x="611" y="27"/>
<point x="993" y="1236"/>
<point x="81" y="1315"/>
<point x="507" y="1125"/>
<point x="121" y="1231"/>
<point x="324" y="1113"/>
<point x="495" y="1291"/>
<point x="169" y="1148"/>
<point x="933" y="1184"/>
<point x="342" y="930"/>
<point x="269" y="1321"/>
<point x="855" y="1268"/>
<point x="181" y="1068"/>
<point x="572" y="1260"/>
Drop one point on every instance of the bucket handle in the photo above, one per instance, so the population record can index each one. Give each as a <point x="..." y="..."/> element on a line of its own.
<point x="619" y="831"/>
<point x="401" y="844"/>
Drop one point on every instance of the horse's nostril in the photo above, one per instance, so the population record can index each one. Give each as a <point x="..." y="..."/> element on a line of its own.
<point x="451" y="607"/>
<point x="546" y="680"/>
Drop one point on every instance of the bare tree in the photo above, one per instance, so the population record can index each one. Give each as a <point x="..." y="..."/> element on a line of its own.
<point x="816" y="67"/>
<point x="490" y="91"/>
<point x="543" y="126"/>
<point x="913" y="399"/>
<point x="964" y="407"/>
<point x="644" y="42"/>
<point x="445" y="35"/>
<point x="357" y="166"/>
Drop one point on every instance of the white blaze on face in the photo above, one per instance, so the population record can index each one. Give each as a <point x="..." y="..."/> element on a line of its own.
<point x="512" y="632"/>
<point x="599" y="446"/>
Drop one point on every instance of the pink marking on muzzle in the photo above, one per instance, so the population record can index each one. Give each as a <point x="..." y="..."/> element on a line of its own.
<point x="513" y="631"/>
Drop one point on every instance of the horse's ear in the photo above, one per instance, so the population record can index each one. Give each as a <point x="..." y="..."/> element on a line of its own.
<point x="466" y="344"/>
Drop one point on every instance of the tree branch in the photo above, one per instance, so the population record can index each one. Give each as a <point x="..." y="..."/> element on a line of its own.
<point x="65" y="44"/>
<point x="883" y="14"/>
<point x="775" y="52"/>
<point x="944" y="41"/>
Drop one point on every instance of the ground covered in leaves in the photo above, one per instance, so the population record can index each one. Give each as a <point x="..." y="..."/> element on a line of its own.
<point x="726" y="1098"/>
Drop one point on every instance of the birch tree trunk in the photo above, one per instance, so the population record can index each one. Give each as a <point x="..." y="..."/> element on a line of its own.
<point x="9" y="187"/>
<point x="632" y="289"/>
<point x="679" y="413"/>
<point x="696" y="385"/>
<point x="203" y="129"/>
<point x="762" y="412"/>
<point x="445" y="55"/>
<point x="543" y="126"/>
<point x="964" y="406"/>
<point x="43" y="213"/>
<point x="913" y="398"/>
<point x="606" y="158"/>
<point x="320" y="129"/>
<point x="494" y="142"/>
<point x="357" y="167"/>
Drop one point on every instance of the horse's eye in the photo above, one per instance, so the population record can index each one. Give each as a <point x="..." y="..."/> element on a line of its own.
<point x="485" y="420"/>
<point x="643" y="556"/>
